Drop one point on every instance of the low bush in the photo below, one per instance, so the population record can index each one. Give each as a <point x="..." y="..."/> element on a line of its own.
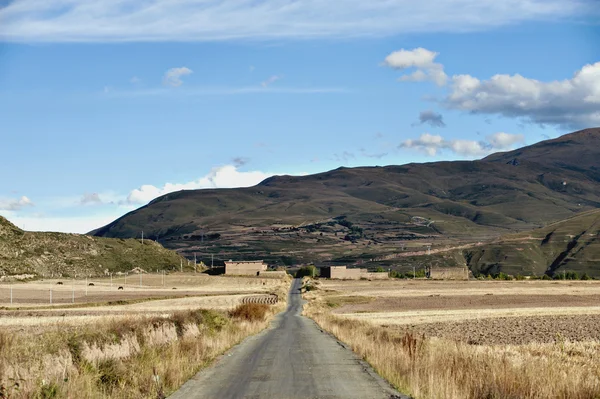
<point x="250" y="311"/>
<point x="307" y="271"/>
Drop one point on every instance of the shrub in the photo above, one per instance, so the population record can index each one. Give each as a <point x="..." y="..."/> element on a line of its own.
<point x="585" y="276"/>
<point x="307" y="271"/>
<point x="546" y="277"/>
<point x="396" y="274"/>
<point x="519" y="277"/>
<point x="250" y="311"/>
<point x="503" y="276"/>
<point x="47" y="391"/>
<point x="111" y="373"/>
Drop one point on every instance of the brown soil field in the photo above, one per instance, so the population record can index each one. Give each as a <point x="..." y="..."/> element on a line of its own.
<point x="427" y="288"/>
<point x="470" y="302"/>
<point x="515" y="330"/>
<point x="476" y="312"/>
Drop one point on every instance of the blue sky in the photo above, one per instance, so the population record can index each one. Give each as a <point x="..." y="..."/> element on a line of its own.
<point x="108" y="104"/>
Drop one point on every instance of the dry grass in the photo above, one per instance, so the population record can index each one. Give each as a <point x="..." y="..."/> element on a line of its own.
<point x="250" y="311"/>
<point x="440" y="369"/>
<point x="138" y="358"/>
<point x="437" y="368"/>
<point x="129" y="356"/>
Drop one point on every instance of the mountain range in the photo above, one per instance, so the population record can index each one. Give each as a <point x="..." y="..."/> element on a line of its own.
<point x="399" y="215"/>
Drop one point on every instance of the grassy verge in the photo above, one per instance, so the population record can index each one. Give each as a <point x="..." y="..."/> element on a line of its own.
<point x="441" y="369"/>
<point x="136" y="358"/>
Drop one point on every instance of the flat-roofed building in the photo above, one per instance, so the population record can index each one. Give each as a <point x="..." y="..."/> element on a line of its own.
<point x="245" y="268"/>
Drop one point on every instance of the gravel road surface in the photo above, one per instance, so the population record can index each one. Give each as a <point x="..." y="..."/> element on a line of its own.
<point x="291" y="359"/>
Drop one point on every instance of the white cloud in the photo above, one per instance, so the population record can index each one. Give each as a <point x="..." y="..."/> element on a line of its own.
<point x="570" y="103"/>
<point x="270" y="80"/>
<point x="65" y="224"/>
<point x="193" y="20"/>
<point x="173" y="76"/>
<point x="503" y="141"/>
<point x="15" y="204"/>
<point x="421" y="59"/>
<point x="433" y="144"/>
<point x="220" y="177"/>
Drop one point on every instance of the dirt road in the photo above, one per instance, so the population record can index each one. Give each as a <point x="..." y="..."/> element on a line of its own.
<point x="292" y="359"/>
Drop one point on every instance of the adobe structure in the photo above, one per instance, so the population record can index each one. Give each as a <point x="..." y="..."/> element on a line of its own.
<point x="245" y="268"/>
<point x="448" y="273"/>
<point x="343" y="273"/>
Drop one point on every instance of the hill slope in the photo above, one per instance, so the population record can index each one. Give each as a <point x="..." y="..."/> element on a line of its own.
<point x="69" y="254"/>
<point x="569" y="245"/>
<point x="356" y="214"/>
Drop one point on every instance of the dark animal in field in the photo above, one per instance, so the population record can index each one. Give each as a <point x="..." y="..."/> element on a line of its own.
<point x="120" y="288"/>
<point x="91" y="284"/>
<point x="60" y="283"/>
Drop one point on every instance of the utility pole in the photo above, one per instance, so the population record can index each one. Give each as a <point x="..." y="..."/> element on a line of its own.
<point x="414" y="272"/>
<point x="142" y="237"/>
<point x="212" y="258"/>
<point x="181" y="265"/>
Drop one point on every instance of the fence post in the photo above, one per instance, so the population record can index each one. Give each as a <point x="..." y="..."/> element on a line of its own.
<point x="50" y="296"/>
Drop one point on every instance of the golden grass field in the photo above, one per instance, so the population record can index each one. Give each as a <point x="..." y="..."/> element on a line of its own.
<point x="470" y="339"/>
<point x="139" y="342"/>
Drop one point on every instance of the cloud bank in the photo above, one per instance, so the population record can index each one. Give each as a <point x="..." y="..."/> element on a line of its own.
<point x="569" y="104"/>
<point x="227" y="176"/>
<point x="210" y="20"/>
<point x="15" y="204"/>
<point x="434" y="144"/>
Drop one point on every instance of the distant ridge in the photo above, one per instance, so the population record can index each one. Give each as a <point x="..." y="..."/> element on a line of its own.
<point x="352" y="215"/>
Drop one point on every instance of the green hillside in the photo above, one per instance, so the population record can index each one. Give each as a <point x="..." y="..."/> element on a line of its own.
<point x="40" y="254"/>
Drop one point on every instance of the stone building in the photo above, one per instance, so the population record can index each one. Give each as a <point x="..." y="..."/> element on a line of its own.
<point x="343" y="273"/>
<point x="245" y="268"/>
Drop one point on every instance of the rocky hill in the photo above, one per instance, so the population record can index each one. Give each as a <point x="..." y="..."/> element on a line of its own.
<point x="38" y="254"/>
<point x="357" y="215"/>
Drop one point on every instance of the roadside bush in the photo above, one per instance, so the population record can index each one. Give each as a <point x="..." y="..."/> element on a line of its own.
<point x="545" y="277"/>
<point x="250" y="311"/>
<point x="585" y="276"/>
<point x="519" y="277"/>
<point x="503" y="276"/>
<point x="396" y="274"/>
<point x="307" y="271"/>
